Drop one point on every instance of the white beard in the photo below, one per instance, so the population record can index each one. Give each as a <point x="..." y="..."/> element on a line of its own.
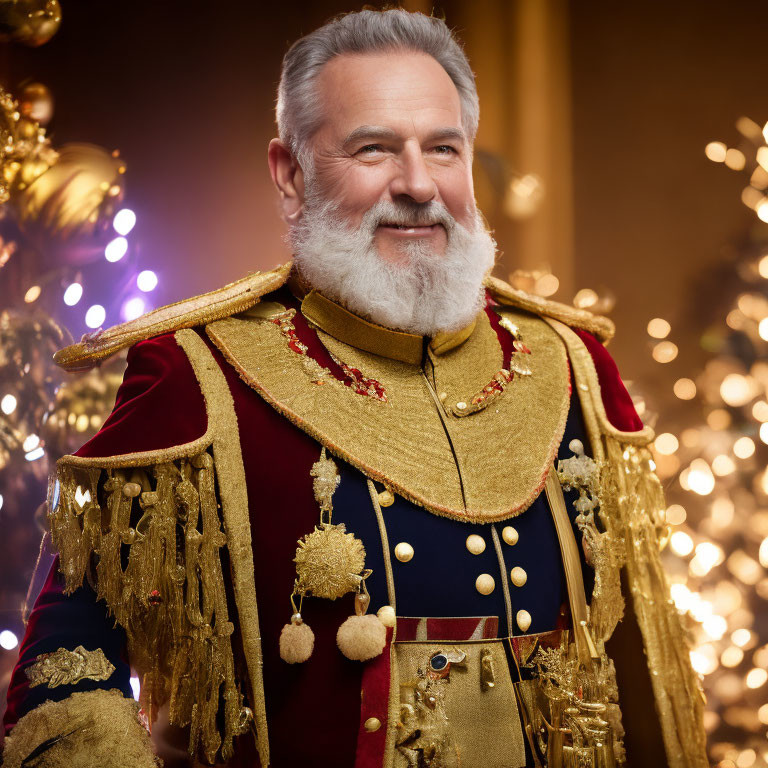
<point x="424" y="294"/>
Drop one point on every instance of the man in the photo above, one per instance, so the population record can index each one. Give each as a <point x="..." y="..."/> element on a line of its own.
<point x="365" y="509"/>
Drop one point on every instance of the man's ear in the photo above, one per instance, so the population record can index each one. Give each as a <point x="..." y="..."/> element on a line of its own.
<point x="288" y="178"/>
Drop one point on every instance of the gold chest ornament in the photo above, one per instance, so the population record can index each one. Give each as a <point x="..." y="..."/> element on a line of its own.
<point x="330" y="563"/>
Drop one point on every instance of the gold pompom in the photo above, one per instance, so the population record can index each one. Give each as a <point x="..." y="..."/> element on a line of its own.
<point x="361" y="638"/>
<point x="297" y="641"/>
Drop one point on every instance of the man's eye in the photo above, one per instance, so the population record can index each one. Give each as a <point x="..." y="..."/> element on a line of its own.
<point x="445" y="149"/>
<point x="369" y="148"/>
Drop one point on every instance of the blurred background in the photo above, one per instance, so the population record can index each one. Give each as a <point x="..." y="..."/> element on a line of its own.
<point x="622" y="162"/>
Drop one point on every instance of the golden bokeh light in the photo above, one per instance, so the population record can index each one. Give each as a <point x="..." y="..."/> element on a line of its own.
<point x="585" y="298"/>
<point x="762" y="555"/>
<point x="658" y="328"/>
<point x="666" y="443"/>
<point x="741" y="637"/>
<point x="762" y="267"/>
<point x="737" y="389"/>
<point x="723" y="465"/>
<point x="756" y="677"/>
<point x="760" y="410"/>
<point x="665" y="352"/>
<point x="698" y="478"/>
<point x="744" y="447"/>
<point x="752" y="197"/>
<point x="716" y="151"/>
<point x="734" y="159"/>
<point x="32" y="294"/>
<point x="704" y="659"/>
<point x="681" y="543"/>
<point x="685" y="389"/>
<point x="675" y="514"/>
<point x="744" y="568"/>
<point x="547" y="285"/>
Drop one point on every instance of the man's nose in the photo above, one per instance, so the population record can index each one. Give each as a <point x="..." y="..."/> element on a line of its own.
<point x="413" y="178"/>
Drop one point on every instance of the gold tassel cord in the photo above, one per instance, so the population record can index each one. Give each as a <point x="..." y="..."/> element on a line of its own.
<point x="148" y="540"/>
<point x="637" y="502"/>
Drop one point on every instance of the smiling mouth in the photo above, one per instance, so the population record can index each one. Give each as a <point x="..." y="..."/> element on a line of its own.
<point x="411" y="229"/>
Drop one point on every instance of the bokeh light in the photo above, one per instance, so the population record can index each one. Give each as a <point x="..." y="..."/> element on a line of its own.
<point x="95" y="316"/>
<point x="73" y="294"/>
<point x="116" y="249"/>
<point x="124" y="221"/>
<point x="146" y="280"/>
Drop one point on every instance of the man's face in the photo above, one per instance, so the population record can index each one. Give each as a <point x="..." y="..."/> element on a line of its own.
<point x="392" y="131"/>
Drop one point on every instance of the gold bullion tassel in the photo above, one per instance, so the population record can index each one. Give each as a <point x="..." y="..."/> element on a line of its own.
<point x="148" y="540"/>
<point x="638" y="498"/>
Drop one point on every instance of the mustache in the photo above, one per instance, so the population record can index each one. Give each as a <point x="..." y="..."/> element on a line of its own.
<point x="407" y="213"/>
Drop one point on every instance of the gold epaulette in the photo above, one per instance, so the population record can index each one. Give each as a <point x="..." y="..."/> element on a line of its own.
<point x="199" y="310"/>
<point x="504" y="293"/>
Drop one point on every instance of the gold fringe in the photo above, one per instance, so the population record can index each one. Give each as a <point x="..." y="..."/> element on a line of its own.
<point x="631" y="502"/>
<point x="638" y="501"/>
<point x="148" y="540"/>
<point x="97" y="729"/>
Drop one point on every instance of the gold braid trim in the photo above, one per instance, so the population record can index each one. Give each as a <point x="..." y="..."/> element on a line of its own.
<point x="504" y="293"/>
<point x="632" y="500"/>
<point x="145" y="529"/>
<point x="97" y="729"/>
<point x="222" y="420"/>
<point x="199" y="310"/>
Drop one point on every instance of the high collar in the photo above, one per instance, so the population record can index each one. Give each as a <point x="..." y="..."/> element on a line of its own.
<point x="349" y="328"/>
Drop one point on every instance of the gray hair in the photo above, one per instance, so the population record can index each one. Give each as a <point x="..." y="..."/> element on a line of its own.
<point x="299" y="111"/>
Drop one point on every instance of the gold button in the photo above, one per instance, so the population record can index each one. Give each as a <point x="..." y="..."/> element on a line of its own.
<point x="372" y="724"/>
<point x="386" y="498"/>
<point x="403" y="551"/>
<point x="461" y="405"/>
<point x="443" y="396"/>
<point x="510" y="535"/>
<point x="518" y="576"/>
<point x="523" y="620"/>
<point x="485" y="584"/>
<point x="386" y="615"/>
<point x="475" y="544"/>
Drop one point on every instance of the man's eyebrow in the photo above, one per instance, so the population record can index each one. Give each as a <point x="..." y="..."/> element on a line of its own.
<point x="372" y="132"/>
<point x="378" y="133"/>
<point x="447" y="134"/>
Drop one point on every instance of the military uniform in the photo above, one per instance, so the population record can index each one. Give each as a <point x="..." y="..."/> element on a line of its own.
<point x="494" y="482"/>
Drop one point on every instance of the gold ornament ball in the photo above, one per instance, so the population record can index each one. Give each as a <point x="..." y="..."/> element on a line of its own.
<point x="71" y="201"/>
<point x="32" y="22"/>
<point x="36" y="103"/>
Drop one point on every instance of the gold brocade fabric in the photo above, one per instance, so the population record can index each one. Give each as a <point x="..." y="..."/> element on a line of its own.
<point x="486" y="466"/>
<point x="65" y="667"/>
<point x="466" y="714"/>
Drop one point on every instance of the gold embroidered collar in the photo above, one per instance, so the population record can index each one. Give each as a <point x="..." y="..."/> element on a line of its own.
<point x="354" y="330"/>
<point x="428" y="439"/>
